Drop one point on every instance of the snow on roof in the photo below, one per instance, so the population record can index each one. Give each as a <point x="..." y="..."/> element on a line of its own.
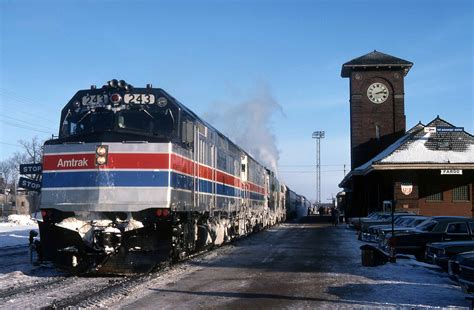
<point x="439" y="142"/>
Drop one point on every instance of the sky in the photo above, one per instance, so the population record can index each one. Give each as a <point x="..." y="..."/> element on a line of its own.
<point x="219" y="56"/>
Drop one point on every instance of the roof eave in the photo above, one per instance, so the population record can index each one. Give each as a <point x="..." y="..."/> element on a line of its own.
<point x="347" y="68"/>
<point x="422" y="166"/>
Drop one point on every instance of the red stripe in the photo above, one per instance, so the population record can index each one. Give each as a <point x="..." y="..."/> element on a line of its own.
<point x="69" y="162"/>
<point x="137" y="161"/>
<point x="145" y="161"/>
<point x="205" y="172"/>
<point x="182" y="164"/>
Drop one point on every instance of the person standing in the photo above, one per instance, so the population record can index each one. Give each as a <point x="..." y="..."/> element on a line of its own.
<point x="335" y="215"/>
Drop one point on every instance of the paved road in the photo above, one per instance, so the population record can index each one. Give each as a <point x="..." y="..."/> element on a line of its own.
<point x="300" y="266"/>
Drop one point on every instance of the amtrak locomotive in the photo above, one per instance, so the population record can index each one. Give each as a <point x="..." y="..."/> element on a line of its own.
<point x="135" y="179"/>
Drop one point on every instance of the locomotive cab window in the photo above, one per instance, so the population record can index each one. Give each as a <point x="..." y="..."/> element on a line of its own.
<point x="157" y="123"/>
<point x="85" y="123"/>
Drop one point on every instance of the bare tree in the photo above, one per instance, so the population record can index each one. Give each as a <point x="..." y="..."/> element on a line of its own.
<point x="33" y="149"/>
<point x="32" y="153"/>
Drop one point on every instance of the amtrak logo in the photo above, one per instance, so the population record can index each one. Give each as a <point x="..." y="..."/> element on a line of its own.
<point x="407" y="188"/>
<point x="71" y="163"/>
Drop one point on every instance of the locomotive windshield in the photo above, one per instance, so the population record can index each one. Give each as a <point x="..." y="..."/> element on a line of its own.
<point x="147" y="120"/>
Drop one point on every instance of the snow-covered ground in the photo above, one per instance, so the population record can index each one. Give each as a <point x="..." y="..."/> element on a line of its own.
<point x="219" y="278"/>
<point x="16" y="230"/>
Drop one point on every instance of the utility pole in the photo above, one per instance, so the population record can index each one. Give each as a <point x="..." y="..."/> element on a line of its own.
<point x="318" y="135"/>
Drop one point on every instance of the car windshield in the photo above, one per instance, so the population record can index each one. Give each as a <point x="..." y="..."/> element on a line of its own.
<point x="427" y="225"/>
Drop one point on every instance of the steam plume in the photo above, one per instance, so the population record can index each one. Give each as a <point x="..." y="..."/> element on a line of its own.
<point x="249" y="124"/>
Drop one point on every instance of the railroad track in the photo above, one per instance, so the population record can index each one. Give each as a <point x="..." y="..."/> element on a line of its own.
<point x="50" y="283"/>
<point x="116" y="290"/>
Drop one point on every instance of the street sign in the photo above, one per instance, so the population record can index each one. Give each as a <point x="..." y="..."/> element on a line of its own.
<point x="29" y="184"/>
<point x="451" y="171"/>
<point x="31" y="168"/>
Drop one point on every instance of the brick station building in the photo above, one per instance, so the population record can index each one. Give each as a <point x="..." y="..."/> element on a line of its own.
<point x="428" y="169"/>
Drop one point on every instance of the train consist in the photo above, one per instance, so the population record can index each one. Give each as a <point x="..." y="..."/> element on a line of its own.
<point x="135" y="179"/>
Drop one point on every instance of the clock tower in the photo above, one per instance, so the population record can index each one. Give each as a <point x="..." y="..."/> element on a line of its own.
<point x="377" y="107"/>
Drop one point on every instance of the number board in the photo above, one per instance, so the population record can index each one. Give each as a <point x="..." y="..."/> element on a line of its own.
<point x="92" y="100"/>
<point x="29" y="184"/>
<point x="139" y="98"/>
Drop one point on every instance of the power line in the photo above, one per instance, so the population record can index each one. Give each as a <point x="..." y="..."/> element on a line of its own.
<point x="333" y="165"/>
<point x="15" y="97"/>
<point x="23" y="127"/>
<point x="27" y="123"/>
<point x="313" y="171"/>
<point x="6" y="143"/>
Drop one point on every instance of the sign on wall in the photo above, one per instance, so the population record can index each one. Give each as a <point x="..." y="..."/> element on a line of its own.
<point x="406" y="188"/>
<point x="452" y="171"/>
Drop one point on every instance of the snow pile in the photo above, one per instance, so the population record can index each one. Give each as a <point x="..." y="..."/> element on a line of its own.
<point x="20" y="219"/>
<point x="16" y="230"/>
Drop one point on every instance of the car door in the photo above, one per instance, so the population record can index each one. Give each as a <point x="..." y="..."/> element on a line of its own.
<point x="457" y="231"/>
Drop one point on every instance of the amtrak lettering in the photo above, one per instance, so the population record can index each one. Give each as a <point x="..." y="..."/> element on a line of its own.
<point x="72" y="163"/>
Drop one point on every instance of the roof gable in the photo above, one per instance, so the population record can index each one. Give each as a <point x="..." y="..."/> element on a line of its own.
<point x="375" y="59"/>
<point x="439" y="142"/>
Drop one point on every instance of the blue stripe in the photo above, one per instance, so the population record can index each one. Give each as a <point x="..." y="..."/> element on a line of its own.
<point x="137" y="179"/>
<point x="182" y="181"/>
<point x="105" y="178"/>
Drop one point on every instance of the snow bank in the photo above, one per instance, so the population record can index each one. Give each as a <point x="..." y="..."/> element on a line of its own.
<point x="16" y="230"/>
<point x="20" y="219"/>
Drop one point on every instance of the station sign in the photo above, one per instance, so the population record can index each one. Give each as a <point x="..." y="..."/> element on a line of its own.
<point x="449" y="129"/>
<point x="31" y="168"/>
<point x="29" y="184"/>
<point x="452" y="171"/>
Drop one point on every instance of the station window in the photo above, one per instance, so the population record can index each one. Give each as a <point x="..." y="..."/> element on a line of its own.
<point x="461" y="193"/>
<point x="435" y="197"/>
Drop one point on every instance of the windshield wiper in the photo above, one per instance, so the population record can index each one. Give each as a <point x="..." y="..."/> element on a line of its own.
<point x="82" y="118"/>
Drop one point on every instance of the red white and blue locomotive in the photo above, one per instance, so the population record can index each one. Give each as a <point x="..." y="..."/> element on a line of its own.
<point x="135" y="179"/>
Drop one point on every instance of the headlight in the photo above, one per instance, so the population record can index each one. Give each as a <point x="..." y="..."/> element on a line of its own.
<point x="101" y="150"/>
<point x="101" y="153"/>
<point x="101" y="160"/>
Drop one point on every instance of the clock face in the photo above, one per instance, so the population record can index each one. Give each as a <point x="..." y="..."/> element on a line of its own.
<point x="377" y="93"/>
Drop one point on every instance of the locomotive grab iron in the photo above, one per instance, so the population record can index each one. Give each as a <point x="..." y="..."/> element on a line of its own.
<point x="135" y="179"/>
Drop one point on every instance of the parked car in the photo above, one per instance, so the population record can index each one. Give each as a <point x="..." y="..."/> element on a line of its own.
<point x="354" y="222"/>
<point x="466" y="273"/>
<point x="453" y="264"/>
<point x="382" y="219"/>
<point x="439" y="253"/>
<point x="436" y="229"/>
<point x="401" y="223"/>
<point x="384" y="231"/>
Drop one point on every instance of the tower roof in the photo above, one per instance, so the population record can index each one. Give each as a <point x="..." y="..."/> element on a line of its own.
<point x="375" y="60"/>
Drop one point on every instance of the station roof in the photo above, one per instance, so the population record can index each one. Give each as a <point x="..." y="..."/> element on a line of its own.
<point x="437" y="145"/>
<point x="375" y="60"/>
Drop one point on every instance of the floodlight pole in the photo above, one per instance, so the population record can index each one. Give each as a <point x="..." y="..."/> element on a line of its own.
<point x="318" y="135"/>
